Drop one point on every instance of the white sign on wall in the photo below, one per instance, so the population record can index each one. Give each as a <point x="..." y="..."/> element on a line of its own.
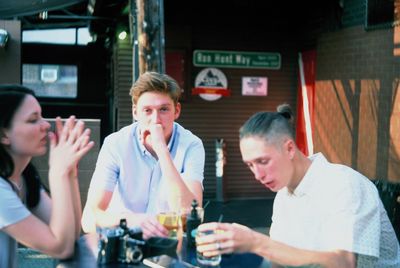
<point x="211" y="84"/>
<point x="254" y="86"/>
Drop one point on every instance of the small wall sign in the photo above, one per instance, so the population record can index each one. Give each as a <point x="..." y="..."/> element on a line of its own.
<point x="254" y="86"/>
<point x="211" y="84"/>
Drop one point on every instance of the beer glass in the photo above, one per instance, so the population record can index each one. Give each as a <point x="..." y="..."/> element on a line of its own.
<point x="170" y="220"/>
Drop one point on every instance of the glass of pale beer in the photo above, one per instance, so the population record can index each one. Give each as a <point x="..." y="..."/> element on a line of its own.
<point x="170" y="220"/>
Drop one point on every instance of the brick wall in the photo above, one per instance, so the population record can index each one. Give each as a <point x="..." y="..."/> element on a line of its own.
<point x="357" y="107"/>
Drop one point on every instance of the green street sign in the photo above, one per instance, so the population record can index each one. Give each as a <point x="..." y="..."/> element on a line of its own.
<point x="237" y="59"/>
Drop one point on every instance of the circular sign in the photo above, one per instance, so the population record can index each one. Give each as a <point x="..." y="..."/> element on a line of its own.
<point x="211" y="84"/>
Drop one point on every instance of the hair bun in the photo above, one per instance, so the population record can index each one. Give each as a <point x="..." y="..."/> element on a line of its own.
<point x="286" y="111"/>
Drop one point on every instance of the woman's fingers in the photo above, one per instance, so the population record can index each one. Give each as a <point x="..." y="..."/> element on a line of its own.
<point x="58" y="127"/>
<point x="73" y="132"/>
<point x="84" y="150"/>
<point x="80" y="140"/>
<point x="73" y="141"/>
<point x="83" y="144"/>
<point x="63" y="137"/>
<point x="52" y="139"/>
<point x="84" y="139"/>
<point x="76" y="131"/>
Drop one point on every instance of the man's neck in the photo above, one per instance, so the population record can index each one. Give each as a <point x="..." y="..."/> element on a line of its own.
<point x="302" y="164"/>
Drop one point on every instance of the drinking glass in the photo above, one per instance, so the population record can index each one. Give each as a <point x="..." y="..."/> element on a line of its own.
<point x="205" y="260"/>
<point x="170" y="220"/>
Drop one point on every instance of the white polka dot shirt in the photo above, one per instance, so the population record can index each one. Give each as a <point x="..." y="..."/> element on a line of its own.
<point x="336" y="208"/>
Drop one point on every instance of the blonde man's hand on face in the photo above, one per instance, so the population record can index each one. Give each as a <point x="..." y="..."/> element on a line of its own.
<point x="154" y="138"/>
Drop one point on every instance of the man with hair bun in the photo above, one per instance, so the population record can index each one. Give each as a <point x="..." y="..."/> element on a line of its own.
<point x="324" y="214"/>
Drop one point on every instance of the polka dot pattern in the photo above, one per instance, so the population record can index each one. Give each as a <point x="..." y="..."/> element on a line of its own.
<point x="336" y="208"/>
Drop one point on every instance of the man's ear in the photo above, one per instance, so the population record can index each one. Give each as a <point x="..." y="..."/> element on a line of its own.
<point x="290" y="148"/>
<point x="177" y="110"/>
<point x="134" y="111"/>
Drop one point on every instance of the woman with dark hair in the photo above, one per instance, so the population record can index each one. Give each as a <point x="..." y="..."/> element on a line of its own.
<point x="27" y="214"/>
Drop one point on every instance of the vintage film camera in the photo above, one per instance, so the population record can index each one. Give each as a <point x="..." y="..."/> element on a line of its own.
<point x="120" y="245"/>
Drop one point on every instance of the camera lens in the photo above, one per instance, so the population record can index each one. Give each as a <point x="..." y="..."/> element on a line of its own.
<point x="134" y="254"/>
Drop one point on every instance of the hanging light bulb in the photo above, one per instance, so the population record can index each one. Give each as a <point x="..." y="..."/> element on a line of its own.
<point x="122" y="35"/>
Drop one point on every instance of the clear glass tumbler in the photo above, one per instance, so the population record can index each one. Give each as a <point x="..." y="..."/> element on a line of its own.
<point x="205" y="260"/>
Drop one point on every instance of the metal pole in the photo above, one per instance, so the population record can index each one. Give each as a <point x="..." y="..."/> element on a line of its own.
<point x="220" y="161"/>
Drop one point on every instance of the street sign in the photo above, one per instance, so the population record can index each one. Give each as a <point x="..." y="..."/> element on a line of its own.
<point x="237" y="59"/>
